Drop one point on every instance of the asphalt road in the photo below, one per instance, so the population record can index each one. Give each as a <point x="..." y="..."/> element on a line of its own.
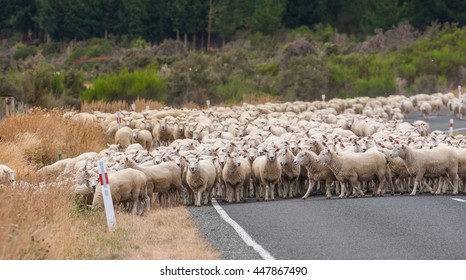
<point x="440" y="121"/>
<point x="398" y="227"/>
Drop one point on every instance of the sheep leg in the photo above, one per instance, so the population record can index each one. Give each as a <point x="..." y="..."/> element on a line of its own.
<point x="416" y="183"/>
<point x="272" y="187"/>
<point x="198" y="198"/>
<point x="266" y="196"/>
<point x="312" y="184"/>
<point x="455" y="183"/>
<point x="328" y="192"/>
<point x="343" y="190"/>
<point x="258" y="191"/>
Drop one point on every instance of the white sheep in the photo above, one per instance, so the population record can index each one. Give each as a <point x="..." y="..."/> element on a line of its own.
<point x="355" y="168"/>
<point x="127" y="185"/>
<point x="425" y="108"/>
<point x="124" y="137"/>
<point x="143" y="137"/>
<point x="201" y="177"/>
<point x="236" y="174"/>
<point x="290" y="172"/>
<point x="266" y="173"/>
<point x="162" y="133"/>
<point x="160" y="178"/>
<point x="6" y="173"/>
<point x="316" y="172"/>
<point x="441" y="161"/>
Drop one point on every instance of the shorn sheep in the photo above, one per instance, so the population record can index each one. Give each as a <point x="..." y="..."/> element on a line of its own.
<point x="355" y="168"/>
<point x="201" y="177"/>
<point x="440" y="161"/>
<point x="127" y="185"/>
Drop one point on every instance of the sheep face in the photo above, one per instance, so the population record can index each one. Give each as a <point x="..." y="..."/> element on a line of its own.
<point x="157" y="158"/>
<point x="252" y="154"/>
<point x="222" y="158"/>
<point x="398" y="151"/>
<point x="324" y="157"/>
<point x="271" y="154"/>
<point x="92" y="183"/>
<point x="193" y="164"/>
<point x="10" y="175"/>
<point x="235" y="159"/>
<point x="282" y="156"/>
<point x="293" y="146"/>
<point x="300" y="158"/>
<point x="162" y="124"/>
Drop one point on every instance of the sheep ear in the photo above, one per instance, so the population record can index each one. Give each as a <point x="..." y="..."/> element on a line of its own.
<point x="108" y="145"/>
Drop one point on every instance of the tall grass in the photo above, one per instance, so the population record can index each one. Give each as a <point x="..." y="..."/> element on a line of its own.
<point x="48" y="223"/>
<point x="113" y="106"/>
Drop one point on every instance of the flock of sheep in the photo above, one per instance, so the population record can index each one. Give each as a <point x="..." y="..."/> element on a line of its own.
<point x="344" y="147"/>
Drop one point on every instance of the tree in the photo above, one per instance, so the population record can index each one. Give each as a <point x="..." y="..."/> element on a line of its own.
<point x="137" y="18"/>
<point x="267" y="17"/>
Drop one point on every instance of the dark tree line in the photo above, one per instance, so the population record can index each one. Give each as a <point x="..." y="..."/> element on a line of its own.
<point x="156" y="20"/>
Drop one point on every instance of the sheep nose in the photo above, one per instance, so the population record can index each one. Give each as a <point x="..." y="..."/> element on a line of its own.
<point x="192" y="169"/>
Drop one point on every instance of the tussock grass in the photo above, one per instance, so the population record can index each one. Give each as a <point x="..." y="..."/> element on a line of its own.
<point x="113" y="106"/>
<point x="49" y="223"/>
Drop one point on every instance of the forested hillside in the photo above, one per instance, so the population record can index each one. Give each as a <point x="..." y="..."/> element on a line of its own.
<point x="56" y="53"/>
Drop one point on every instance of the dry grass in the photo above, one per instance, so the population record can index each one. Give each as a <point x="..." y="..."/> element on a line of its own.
<point x="111" y="107"/>
<point x="50" y="224"/>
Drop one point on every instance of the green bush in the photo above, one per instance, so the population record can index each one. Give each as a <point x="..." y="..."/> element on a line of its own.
<point x="235" y="89"/>
<point x="22" y="51"/>
<point x="127" y="86"/>
<point x="305" y="78"/>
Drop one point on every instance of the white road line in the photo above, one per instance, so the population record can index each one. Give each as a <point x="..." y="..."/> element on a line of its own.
<point x="459" y="199"/>
<point x="241" y="232"/>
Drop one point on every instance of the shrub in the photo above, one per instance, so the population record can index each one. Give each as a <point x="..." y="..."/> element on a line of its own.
<point x="22" y="51"/>
<point x="127" y="86"/>
<point x="305" y="78"/>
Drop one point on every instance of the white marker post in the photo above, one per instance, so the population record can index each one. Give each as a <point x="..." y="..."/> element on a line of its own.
<point x="451" y="127"/>
<point x="147" y="108"/>
<point x="208" y="103"/>
<point x="133" y="106"/>
<point x="323" y="97"/>
<point x="459" y="92"/>
<point x="107" y="196"/>
<point x="119" y="119"/>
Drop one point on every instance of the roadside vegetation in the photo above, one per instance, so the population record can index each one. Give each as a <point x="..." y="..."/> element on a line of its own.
<point x="47" y="223"/>
<point x="300" y="64"/>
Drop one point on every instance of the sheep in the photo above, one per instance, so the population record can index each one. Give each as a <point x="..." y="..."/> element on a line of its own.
<point x="201" y="177"/>
<point x="127" y="185"/>
<point x="162" y="133"/>
<point x="124" y="137"/>
<point x="143" y="137"/>
<point x="160" y="178"/>
<point x="435" y="162"/>
<point x="236" y="174"/>
<point x="266" y="172"/>
<point x="316" y="172"/>
<point x="6" y="173"/>
<point x="290" y="171"/>
<point x="425" y="108"/>
<point x="54" y="169"/>
<point x="355" y="168"/>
